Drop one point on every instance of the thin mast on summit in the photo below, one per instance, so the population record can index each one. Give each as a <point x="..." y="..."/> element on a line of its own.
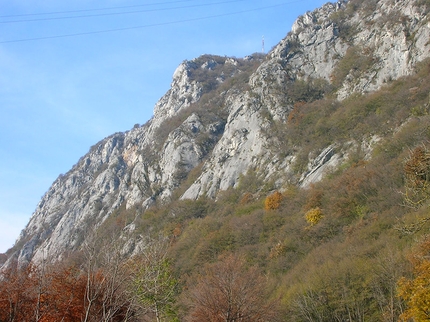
<point x="262" y="48"/>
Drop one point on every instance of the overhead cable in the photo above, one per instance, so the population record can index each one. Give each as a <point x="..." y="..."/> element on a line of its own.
<point x="146" y="26"/>
<point x="89" y="10"/>
<point x="118" y="13"/>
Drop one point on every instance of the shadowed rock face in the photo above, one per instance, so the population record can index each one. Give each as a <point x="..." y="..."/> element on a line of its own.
<point x="218" y="114"/>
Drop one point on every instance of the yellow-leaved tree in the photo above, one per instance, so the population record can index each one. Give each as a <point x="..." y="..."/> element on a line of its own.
<point x="415" y="291"/>
<point x="313" y="216"/>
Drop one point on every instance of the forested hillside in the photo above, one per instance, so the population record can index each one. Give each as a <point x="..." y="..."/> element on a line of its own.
<point x="291" y="187"/>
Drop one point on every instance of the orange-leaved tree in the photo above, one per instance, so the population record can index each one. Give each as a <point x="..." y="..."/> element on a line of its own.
<point x="18" y="300"/>
<point x="273" y="201"/>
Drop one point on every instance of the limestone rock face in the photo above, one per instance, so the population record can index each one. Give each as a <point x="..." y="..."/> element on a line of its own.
<point x="239" y="149"/>
<point x="216" y="120"/>
<point x="181" y="94"/>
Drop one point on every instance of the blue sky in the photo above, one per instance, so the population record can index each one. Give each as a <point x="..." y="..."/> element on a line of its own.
<point x="74" y="72"/>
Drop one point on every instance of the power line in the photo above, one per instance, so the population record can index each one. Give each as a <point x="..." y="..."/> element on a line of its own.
<point x="119" y="13"/>
<point x="89" y="10"/>
<point x="146" y="26"/>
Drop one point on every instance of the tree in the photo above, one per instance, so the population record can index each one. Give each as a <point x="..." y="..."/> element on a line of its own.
<point x="64" y="298"/>
<point x="153" y="282"/>
<point x="18" y="294"/>
<point x="415" y="291"/>
<point x="417" y="176"/>
<point x="36" y="293"/>
<point x="273" y="201"/>
<point x="387" y="270"/>
<point x="106" y="297"/>
<point x="313" y="216"/>
<point x="61" y="291"/>
<point x="228" y="291"/>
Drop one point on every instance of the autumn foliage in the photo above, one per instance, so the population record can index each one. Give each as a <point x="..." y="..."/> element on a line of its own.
<point x="416" y="290"/>
<point x="101" y="285"/>
<point x="313" y="216"/>
<point x="417" y="176"/>
<point x="228" y="291"/>
<point x="273" y="201"/>
<point x="29" y="294"/>
<point x="56" y="294"/>
<point x="335" y="249"/>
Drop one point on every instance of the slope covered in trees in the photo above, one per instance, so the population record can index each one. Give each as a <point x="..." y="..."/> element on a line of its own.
<point x="351" y="247"/>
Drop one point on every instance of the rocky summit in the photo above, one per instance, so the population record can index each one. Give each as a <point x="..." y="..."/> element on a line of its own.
<point x="221" y="120"/>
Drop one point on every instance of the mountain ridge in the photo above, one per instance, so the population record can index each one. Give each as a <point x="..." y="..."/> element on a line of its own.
<point x="213" y="124"/>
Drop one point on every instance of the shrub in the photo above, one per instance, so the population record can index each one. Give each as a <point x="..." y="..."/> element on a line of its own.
<point x="308" y="90"/>
<point x="355" y="62"/>
<point x="313" y="216"/>
<point x="273" y="201"/>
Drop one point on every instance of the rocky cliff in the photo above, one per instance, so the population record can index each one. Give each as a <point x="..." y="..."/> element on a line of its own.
<point x="217" y="121"/>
